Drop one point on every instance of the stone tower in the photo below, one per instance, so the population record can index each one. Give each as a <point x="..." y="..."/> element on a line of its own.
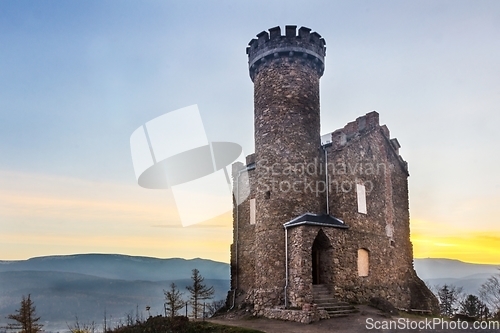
<point x="285" y="70"/>
<point x="317" y="215"/>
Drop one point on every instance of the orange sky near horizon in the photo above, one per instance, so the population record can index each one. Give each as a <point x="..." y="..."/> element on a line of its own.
<point x="439" y="240"/>
<point x="53" y="215"/>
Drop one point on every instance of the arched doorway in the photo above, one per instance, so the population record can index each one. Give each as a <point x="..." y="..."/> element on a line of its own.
<point x="321" y="259"/>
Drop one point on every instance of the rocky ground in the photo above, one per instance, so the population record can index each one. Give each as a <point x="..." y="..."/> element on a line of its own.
<point x="367" y="319"/>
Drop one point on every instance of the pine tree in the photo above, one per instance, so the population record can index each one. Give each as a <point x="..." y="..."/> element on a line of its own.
<point x="449" y="296"/>
<point x="25" y="317"/>
<point x="472" y="306"/>
<point x="198" y="292"/>
<point x="173" y="301"/>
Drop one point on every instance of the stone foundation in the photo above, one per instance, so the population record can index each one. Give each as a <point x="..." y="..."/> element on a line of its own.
<point x="300" y="316"/>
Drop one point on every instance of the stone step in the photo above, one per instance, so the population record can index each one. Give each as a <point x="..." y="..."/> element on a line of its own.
<point x="326" y="297"/>
<point x="337" y="303"/>
<point x="335" y="314"/>
<point x="338" y="312"/>
<point x="338" y="315"/>
<point x="335" y="306"/>
<point x="323" y="296"/>
<point x="319" y="286"/>
<point x="333" y="311"/>
<point x="325" y="301"/>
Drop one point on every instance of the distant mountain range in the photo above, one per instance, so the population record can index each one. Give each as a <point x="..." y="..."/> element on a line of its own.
<point x="122" y="267"/>
<point x="87" y="285"/>
<point x="438" y="272"/>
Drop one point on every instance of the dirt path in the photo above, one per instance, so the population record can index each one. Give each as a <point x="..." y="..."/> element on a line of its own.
<point x="352" y="323"/>
<point x="362" y="322"/>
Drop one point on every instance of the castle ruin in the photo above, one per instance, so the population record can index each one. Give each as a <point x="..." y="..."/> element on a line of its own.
<point x="329" y="211"/>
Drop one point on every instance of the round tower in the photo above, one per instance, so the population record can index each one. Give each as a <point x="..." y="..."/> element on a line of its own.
<point x="285" y="70"/>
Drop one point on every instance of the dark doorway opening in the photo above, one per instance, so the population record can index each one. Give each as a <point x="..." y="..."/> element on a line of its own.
<point x="321" y="259"/>
<point x="315" y="265"/>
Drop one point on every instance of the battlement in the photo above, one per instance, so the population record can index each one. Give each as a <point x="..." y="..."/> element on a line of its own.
<point x="361" y="124"/>
<point x="306" y="46"/>
<point x="364" y="124"/>
<point x="353" y="129"/>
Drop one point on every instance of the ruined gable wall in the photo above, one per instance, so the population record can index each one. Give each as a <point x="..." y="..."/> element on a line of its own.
<point x="243" y="269"/>
<point x="362" y="154"/>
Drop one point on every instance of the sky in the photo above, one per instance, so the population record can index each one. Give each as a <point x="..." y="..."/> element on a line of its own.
<point x="77" y="78"/>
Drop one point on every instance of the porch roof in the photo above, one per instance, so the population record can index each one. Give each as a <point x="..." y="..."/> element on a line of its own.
<point x="323" y="220"/>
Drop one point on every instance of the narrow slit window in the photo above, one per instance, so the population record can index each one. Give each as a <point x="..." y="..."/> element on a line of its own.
<point x="361" y="194"/>
<point x="252" y="211"/>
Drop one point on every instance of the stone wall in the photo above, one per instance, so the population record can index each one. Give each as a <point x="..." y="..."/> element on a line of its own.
<point x="363" y="153"/>
<point x="367" y="157"/>
<point x="300" y="316"/>
<point x="242" y="249"/>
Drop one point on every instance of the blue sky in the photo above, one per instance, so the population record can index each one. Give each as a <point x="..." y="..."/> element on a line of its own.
<point x="78" y="77"/>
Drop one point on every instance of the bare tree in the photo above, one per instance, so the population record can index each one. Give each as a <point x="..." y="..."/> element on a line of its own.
<point x="173" y="301"/>
<point x="198" y="292"/>
<point x="25" y="317"/>
<point x="105" y="327"/>
<point x="78" y="327"/>
<point x="215" y="306"/>
<point x="130" y="318"/>
<point x="490" y="292"/>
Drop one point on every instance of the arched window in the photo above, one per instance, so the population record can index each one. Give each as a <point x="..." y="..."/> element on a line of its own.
<point x="363" y="262"/>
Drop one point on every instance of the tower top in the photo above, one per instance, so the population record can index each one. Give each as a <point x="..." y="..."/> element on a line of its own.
<point x="307" y="46"/>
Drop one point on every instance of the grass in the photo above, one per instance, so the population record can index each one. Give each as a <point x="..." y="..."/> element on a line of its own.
<point x="179" y="325"/>
<point x="216" y="328"/>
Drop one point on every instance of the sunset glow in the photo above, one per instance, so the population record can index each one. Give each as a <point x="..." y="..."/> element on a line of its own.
<point x="441" y="241"/>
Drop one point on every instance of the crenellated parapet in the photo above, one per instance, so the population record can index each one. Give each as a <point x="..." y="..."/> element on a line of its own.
<point x="306" y="46"/>
<point x="364" y="124"/>
<point x="355" y="128"/>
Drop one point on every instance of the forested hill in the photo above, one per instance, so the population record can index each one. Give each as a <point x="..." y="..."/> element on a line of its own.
<point x="87" y="285"/>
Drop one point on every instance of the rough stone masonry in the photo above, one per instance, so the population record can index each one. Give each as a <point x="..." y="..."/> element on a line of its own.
<point x="329" y="210"/>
